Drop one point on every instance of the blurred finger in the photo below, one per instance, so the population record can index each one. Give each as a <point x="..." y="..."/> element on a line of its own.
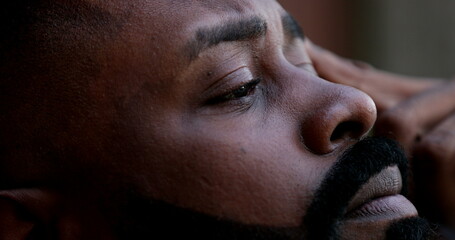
<point x="412" y="118"/>
<point x="434" y="164"/>
<point x="386" y="89"/>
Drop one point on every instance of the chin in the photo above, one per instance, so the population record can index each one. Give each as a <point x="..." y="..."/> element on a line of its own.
<point x="390" y="217"/>
<point x="376" y="206"/>
<point x="375" y="218"/>
<point x="412" y="228"/>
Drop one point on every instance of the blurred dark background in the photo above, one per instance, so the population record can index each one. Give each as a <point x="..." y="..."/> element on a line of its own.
<point x="413" y="37"/>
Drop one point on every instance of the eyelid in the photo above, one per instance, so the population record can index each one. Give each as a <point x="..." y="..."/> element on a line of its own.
<point x="230" y="82"/>
<point x="220" y="79"/>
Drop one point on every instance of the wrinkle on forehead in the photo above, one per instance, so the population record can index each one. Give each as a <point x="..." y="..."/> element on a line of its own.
<point x="173" y="23"/>
<point x="159" y="30"/>
<point x="161" y="7"/>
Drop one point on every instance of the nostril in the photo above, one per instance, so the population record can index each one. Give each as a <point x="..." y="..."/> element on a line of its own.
<point x="347" y="130"/>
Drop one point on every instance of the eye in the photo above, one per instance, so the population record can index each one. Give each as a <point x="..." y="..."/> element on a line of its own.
<point x="238" y="93"/>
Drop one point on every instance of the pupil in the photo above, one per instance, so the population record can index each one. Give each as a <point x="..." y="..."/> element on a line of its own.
<point x="241" y="91"/>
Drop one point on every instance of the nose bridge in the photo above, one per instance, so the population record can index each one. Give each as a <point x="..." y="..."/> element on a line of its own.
<point x="331" y="114"/>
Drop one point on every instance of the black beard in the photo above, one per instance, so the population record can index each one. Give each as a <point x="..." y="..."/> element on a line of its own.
<point x="412" y="229"/>
<point x="355" y="167"/>
<point x="138" y="217"/>
<point x="143" y="218"/>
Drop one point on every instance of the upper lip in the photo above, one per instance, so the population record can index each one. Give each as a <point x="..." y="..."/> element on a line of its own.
<point x="385" y="183"/>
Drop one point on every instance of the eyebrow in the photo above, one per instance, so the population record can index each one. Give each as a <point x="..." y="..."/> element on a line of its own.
<point x="291" y="27"/>
<point x="234" y="30"/>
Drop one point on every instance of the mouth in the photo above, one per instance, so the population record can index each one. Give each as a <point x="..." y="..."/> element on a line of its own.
<point x="380" y="199"/>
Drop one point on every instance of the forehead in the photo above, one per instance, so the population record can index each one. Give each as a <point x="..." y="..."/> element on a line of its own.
<point x="151" y="49"/>
<point x="182" y="11"/>
<point x="168" y="26"/>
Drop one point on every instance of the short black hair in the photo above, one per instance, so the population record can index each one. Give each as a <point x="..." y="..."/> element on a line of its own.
<point x="49" y="55"/>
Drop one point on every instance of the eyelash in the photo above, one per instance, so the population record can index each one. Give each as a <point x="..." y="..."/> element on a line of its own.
<point x="238" y="93"/>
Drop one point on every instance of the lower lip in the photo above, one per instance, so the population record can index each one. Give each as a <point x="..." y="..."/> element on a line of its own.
<point x="384" y="208"/>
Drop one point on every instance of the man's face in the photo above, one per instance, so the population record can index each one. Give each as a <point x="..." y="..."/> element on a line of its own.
<point x="229" y="117"/>
<point x="214" y="107"/>
<point x="227" y="113"/>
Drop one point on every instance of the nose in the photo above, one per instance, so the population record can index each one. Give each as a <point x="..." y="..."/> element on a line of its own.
<point x="341" y="114"/>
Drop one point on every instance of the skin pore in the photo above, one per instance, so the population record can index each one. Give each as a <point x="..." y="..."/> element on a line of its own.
<point x="206" y="111"/>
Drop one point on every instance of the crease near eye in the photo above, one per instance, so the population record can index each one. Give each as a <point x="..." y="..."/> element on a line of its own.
<point x="307" y="66"/>
<point x="303" y="64"/>
<point x="238" y="93"/>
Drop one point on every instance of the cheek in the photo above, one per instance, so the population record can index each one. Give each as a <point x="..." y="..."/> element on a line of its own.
<point x="234" y="175"/>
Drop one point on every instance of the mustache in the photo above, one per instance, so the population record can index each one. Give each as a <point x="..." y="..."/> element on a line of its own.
<point x="354" y="168"/>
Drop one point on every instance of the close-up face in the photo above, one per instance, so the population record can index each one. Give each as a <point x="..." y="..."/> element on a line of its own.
<point x="229" y="116"/>
<point x="214" y="107"/>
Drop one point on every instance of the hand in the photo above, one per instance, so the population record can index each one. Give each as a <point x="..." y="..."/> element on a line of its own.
<point x="418" y="113"/>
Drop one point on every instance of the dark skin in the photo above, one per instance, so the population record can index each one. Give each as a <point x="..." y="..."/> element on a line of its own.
<point x="237" y="126"/>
